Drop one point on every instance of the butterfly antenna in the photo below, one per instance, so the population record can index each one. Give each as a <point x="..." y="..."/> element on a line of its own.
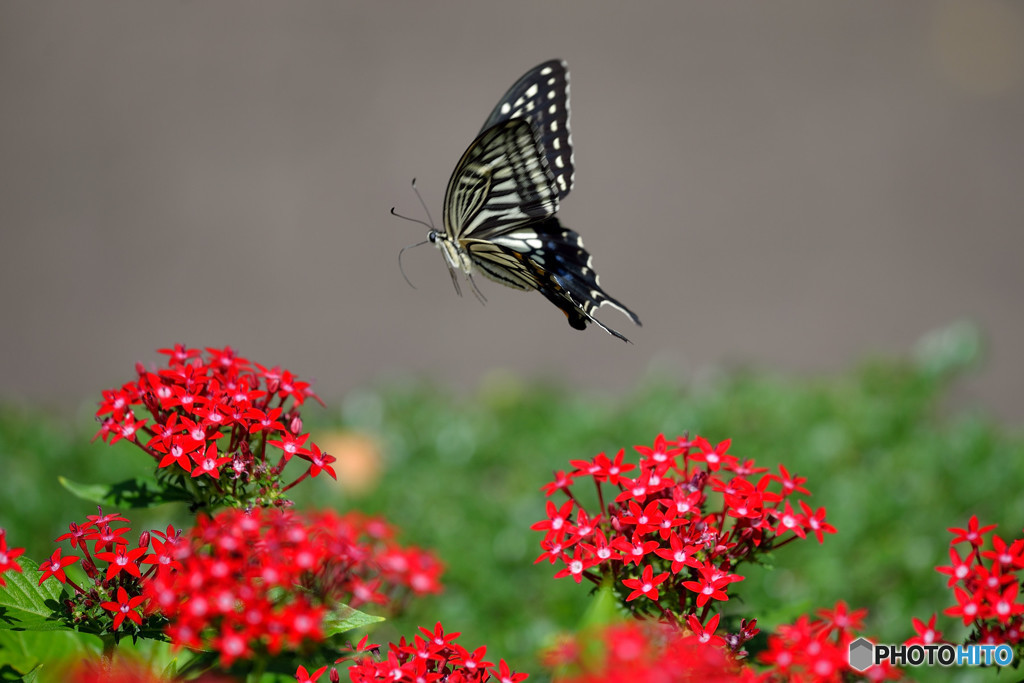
<point x="414" y="220"/>
<point x="402" y="251"/>
<point x="422" y="203"/>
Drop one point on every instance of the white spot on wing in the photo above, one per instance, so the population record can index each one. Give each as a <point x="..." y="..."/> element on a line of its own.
<point x="506" y="108"/>
<point x="532" y="91"/>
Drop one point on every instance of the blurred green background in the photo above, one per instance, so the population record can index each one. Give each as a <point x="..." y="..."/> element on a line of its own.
<point x="880" y="445"/>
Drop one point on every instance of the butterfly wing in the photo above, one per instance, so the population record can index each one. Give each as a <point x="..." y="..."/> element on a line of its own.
<point x="550" y="258"/>
<point x="501" y="182"/>
<point x="541" y="97"/>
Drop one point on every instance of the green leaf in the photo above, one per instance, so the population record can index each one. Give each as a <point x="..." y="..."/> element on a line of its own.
<point x="141" y="492"/>
<point x="24" y="651"/>
<point x="345" y="618"/>
<point x="27" y="606"/>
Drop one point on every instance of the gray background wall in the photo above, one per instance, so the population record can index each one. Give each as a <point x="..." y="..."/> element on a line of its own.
<point x="793" y="184"/>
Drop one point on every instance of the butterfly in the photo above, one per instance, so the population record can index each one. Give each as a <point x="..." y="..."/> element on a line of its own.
<point x="500" y="204"/>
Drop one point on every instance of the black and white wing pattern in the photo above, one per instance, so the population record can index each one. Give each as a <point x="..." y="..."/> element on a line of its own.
<point x="500" y="204"/>
<point x="541" y="97"/>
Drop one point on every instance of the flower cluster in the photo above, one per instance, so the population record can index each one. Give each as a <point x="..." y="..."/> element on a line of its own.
<point x="673" y="529"/>
<point x="644" y="651"/>
<point x="112" y="599"/>
<point x="432" y="656"/>
<point x="264" y="581"/>
<point x="818" y="649"/>
<point x="8" y="557"/>
<point x="986" y="586"/>
<point x="213" y="415"/>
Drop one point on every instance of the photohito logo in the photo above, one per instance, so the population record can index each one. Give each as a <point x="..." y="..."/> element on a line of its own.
<point x="863" y="654"/>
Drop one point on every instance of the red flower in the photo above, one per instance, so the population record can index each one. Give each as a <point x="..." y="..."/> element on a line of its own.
<point x="969" y="606"/>
<point x="124" y="607"/>
<point x="558" y="517"/>
<point x="561" y="482"/>
<point x="580" y="562"/>
<point x="960" y="569"/>
<point x="321" y="462"/>
<point x="8" y="557"/>
<point x="1007" y="556"/>
<point x="122" y="560"/>
<point x="926" y="633"/>
<point x="1004" y="605"/>
<point x="303" y="676"/>
<point x="180" y="354"/>
<point x="661" y="456"/>
<point x="209" y="463"/>
<point x="644" y="519"/>
<point x="716" y="456"/>
<point x="505" y="675"/>
<point x="972" y="534"/>
<point x="55" y="566"/>
<point x="610" y="470"/>
<point x="636" y="550"/>
<point x="647" y="584"/>
<point x="790" y="483"/>
<point x="840" y="620"/>
<point x="815" y="522"/>
<point x="710" y="586"/>
<point x="291" y="445"/>
<point x="178" y="452"/>
<point x="789" y="521"/>
<point x="706" y="635"/>
<point x="679" y="553"/>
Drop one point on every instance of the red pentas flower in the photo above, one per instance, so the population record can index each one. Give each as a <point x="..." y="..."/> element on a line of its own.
<point x="818" y="650"/>
<point x="8" y="557"/>
<point x="672" y="528"/>
<point x="211" y="416"/>
<point x="435" y="657"/>
<point x="124" y="607"/>
<point x="248" y="584"/>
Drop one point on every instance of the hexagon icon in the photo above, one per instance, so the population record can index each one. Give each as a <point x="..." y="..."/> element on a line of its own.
<point x="861" y="654"/>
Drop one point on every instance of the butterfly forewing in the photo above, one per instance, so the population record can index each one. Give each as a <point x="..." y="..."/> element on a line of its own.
<point x="541" y="97"/>
<point x="500" y="182"/>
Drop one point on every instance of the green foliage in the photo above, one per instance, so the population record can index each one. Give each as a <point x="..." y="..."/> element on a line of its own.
<point x="462" y="475"/>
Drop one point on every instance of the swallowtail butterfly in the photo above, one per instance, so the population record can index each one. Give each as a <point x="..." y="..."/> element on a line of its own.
<point x="499" y="208"/>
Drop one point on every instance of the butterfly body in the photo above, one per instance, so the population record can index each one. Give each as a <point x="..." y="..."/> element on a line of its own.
<point x="500" y="204"/>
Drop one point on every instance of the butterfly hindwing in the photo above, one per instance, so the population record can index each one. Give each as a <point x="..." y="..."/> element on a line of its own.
<point x="541" y="97"/>
<point x="552" y="259"/>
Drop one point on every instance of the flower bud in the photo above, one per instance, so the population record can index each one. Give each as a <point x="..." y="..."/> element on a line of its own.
<point x="89" y="567"/>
